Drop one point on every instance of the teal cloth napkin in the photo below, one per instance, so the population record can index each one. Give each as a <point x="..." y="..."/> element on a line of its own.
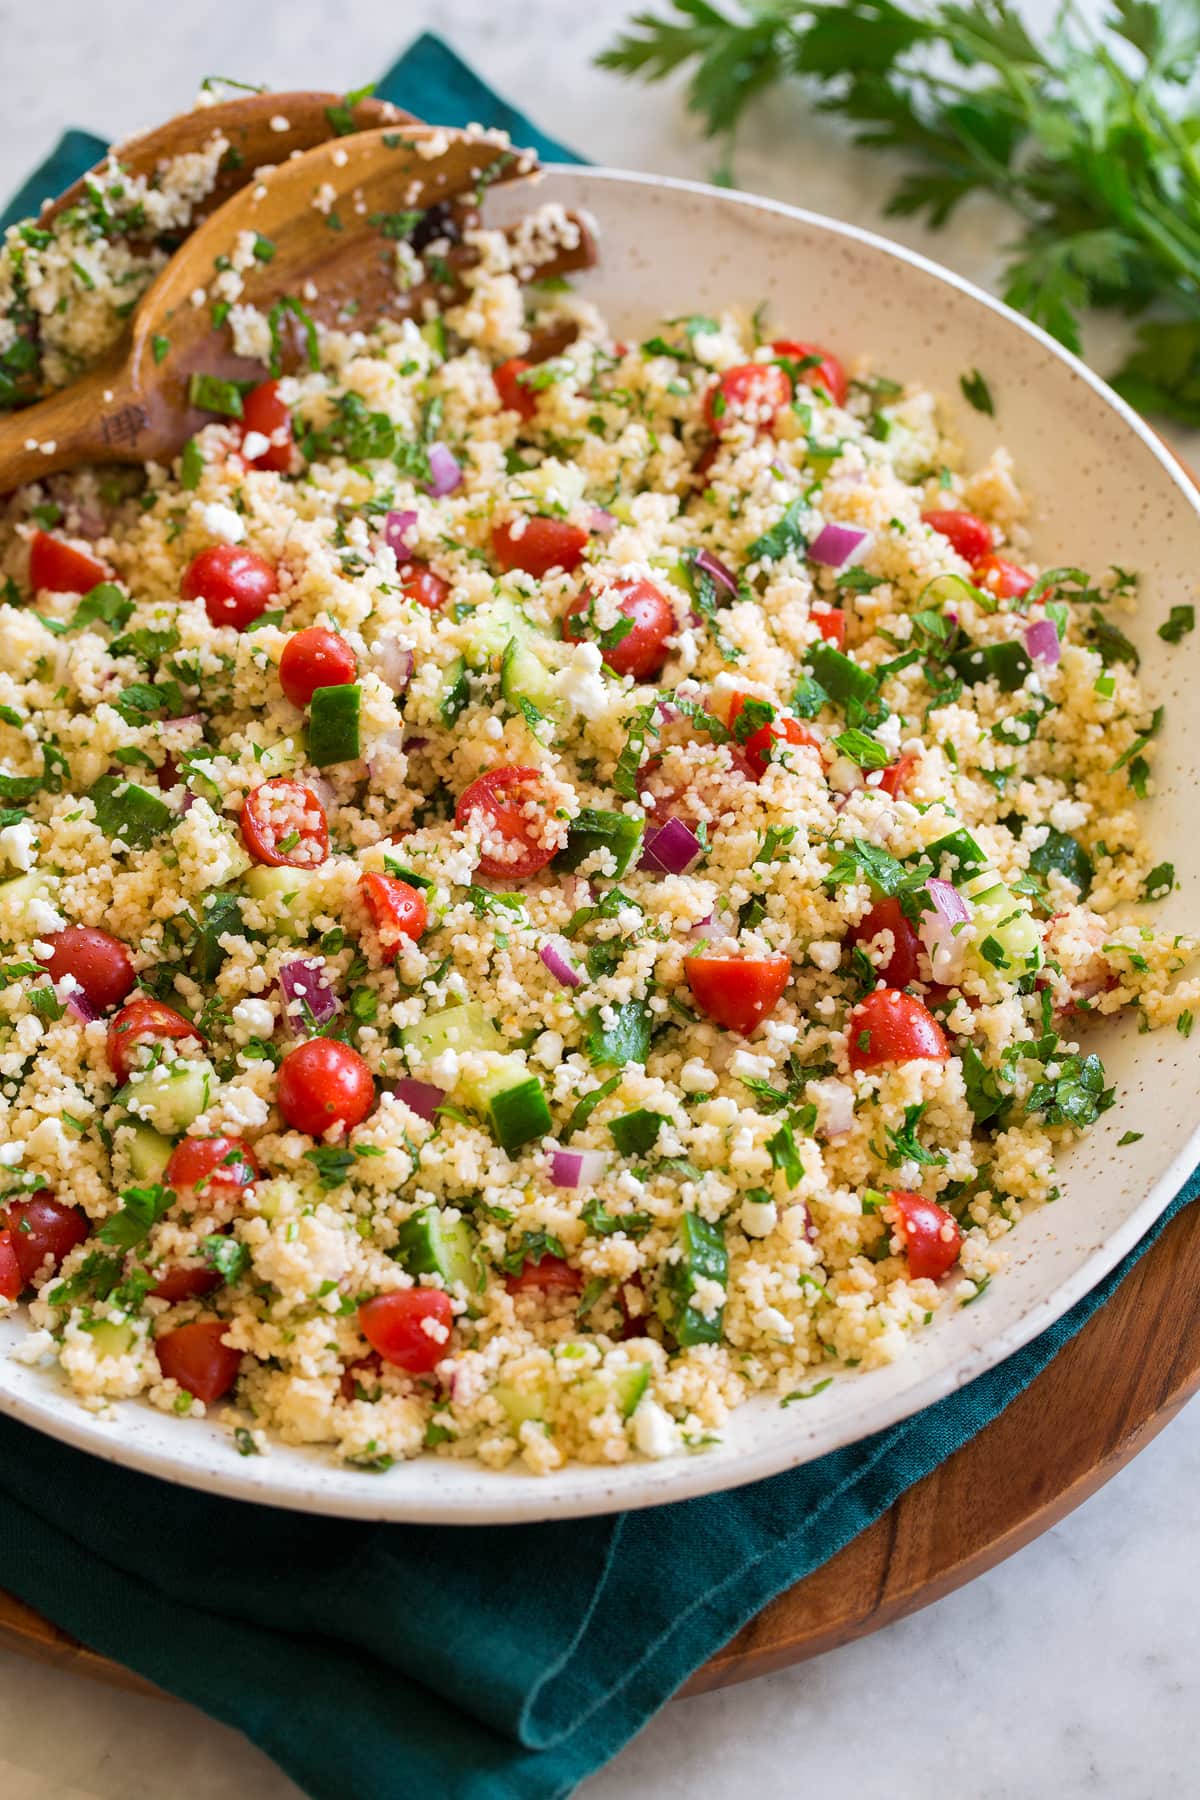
<point x="380" y="1662"/>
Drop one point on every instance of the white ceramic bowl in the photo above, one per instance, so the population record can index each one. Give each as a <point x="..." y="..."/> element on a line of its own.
<point x="1104" y="492"/>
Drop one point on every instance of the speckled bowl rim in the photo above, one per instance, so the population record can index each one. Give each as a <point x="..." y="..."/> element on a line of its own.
<point x="430" y="1490"/>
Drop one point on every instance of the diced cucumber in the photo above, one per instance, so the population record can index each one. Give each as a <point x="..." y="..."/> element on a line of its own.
<point x="524" y="676"/>
<point x="434" y="333"/>
<point x="595" y="829"/>
<point x="285" y="897"/>
<point x="431" y="1244"/>
<point x="490" y="629"/>
<point x="17" y="898"/>
<point x="169" y="1096"/>
<point x="456" y="691"/>
<point x="1004" y="934"/>
<point x="521" y="1404"/>
<point x="110" y="1338"/>
<point x="702" y="1257"/>
<point x="148" y="1151"/>
<point x="333" y="725"/>
<point x="459" y="1028"/>
<point x="555" y="483"/>
<point x="281" y="758"/>
<point x="128" y="812"/>
<point x="219" y="913"/>
<point x="623" y="1388"/>
<point x="513" y="1100"/>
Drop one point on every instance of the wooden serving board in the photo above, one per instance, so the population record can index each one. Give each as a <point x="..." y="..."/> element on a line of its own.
<point x="1116" y="1384"/>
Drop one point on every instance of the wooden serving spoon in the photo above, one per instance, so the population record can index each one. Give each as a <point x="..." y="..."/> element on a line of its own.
<point x="326" y="226"/>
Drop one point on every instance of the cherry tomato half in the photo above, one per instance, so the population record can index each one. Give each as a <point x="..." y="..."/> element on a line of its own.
<point x="965" y="532"/>
<point x="832" y="626"/>
<point x="887" y="915"/>
<point x="421" y="584"/>
<point x="507" y="807"/>
<point x="99" y="963"/>
<point x="323" y="1083"/>
<point x="11" y="1279"/>
<point x="515" y="396"/>
<point x="751" y="393"/>
<point x="141" y="1021"/>
<point x="891" y="1027"/>
<point x="737" y="992"/>
<point x="549" y="1275"/>
<point x="284" y="825"/>
<point x="195" y="1356"/>
<point x="932" y="1237"/>
<point x="312" y="659"/>
<point x="208" y="1168"/>
<point x="894" y="777"/>
<point x="236" y="585"/>
<point x="642" y="651"/>
<point x="265" y="413"/>
<point x="397" y="909"/>
<point x="538" y="545"/>
<point x="759" y="748"/>
<point x="43" y="1229"/>
<point x="1007" y="581"/>
<point x="410" y="1328"/>
<point x="178" y="1281"/>
<point x="827" y="373"/>
<point x="58" y="568"/>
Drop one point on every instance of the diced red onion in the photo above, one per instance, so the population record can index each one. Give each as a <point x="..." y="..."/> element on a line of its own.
<point x="557" y="959"/>
<point x="834" y="1102"/>
<point x="323" y="789"/>
<point x="601" y="522"/>
<point x="576" y="1168"/>
<point x="444" y="472"/>
<point x="695" y="619"/>
<point x="834" y="545"/>
<point x="75" y="1000"/>
<point x="666" y="713"/>
<point x="421" y="1097"/>
<point x="714" y="928"/>
<point x="941" y="930"/>
<point x="669" y="849"/>
<point x="415" y="743"/>
<point x="1041" y="641"/>
<point x="399" y="529"/>
<point x="308" y="998"/>
<point x="90" y="524"/>
<point x="395" y="662"/>
<point x="712" y="565"/>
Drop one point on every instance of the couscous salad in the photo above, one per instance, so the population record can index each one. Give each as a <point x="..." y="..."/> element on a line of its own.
<point x="541" y="897"/>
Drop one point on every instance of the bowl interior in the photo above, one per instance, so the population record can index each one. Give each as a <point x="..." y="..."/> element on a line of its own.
<point x="1102" y="493"/>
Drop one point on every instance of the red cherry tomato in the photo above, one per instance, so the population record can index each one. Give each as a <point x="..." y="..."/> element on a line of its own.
<point x="423" y="586"/>
<point x="515" y="396"/>
<point x="966" y="533"/>
<point x="195" y="1356"/>
<point x="759" y="747"/>
<point x="313" y="659"/>
<point x="752" y="393"/>
<point x="42" y="1229"/>
<point x="323" y="1083"/>
<point x="550" y="1275"/>
<point x="893" y="778"/>
<point x="1007" y="581"/>
<point x="643" y="650"/>
<point x="887" y="915"/>
<point x="58" y="568"/>
<point x="139" y="1022"/>
<point x="737" y="991"/>
<point x="177" y="1282"/>
<point x="832" y="626"/>
<point x="538" y="545"/>
<point x="932" y="1238"/>
<point x="284" y="825"/>
<point x="369" y="1368"/>
<point x="264" y="412"/>
<point x="397" y="909"/>
<point x="828" y="373"/>
<point x="99" y="963"/>
<point x="207" y="1168"/>
<point x="891" y="1027"/>
<point x="11" y="1279"/>
<point x="507" y="806"/>
<point x="410" y="1328"/>
<point x="236" y="585"/>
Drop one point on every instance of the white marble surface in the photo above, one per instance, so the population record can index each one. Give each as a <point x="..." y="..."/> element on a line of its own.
<point x="1069" y="1671"/>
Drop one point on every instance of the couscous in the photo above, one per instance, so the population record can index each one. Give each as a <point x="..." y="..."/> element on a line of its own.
<point x="542" y="898"/>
